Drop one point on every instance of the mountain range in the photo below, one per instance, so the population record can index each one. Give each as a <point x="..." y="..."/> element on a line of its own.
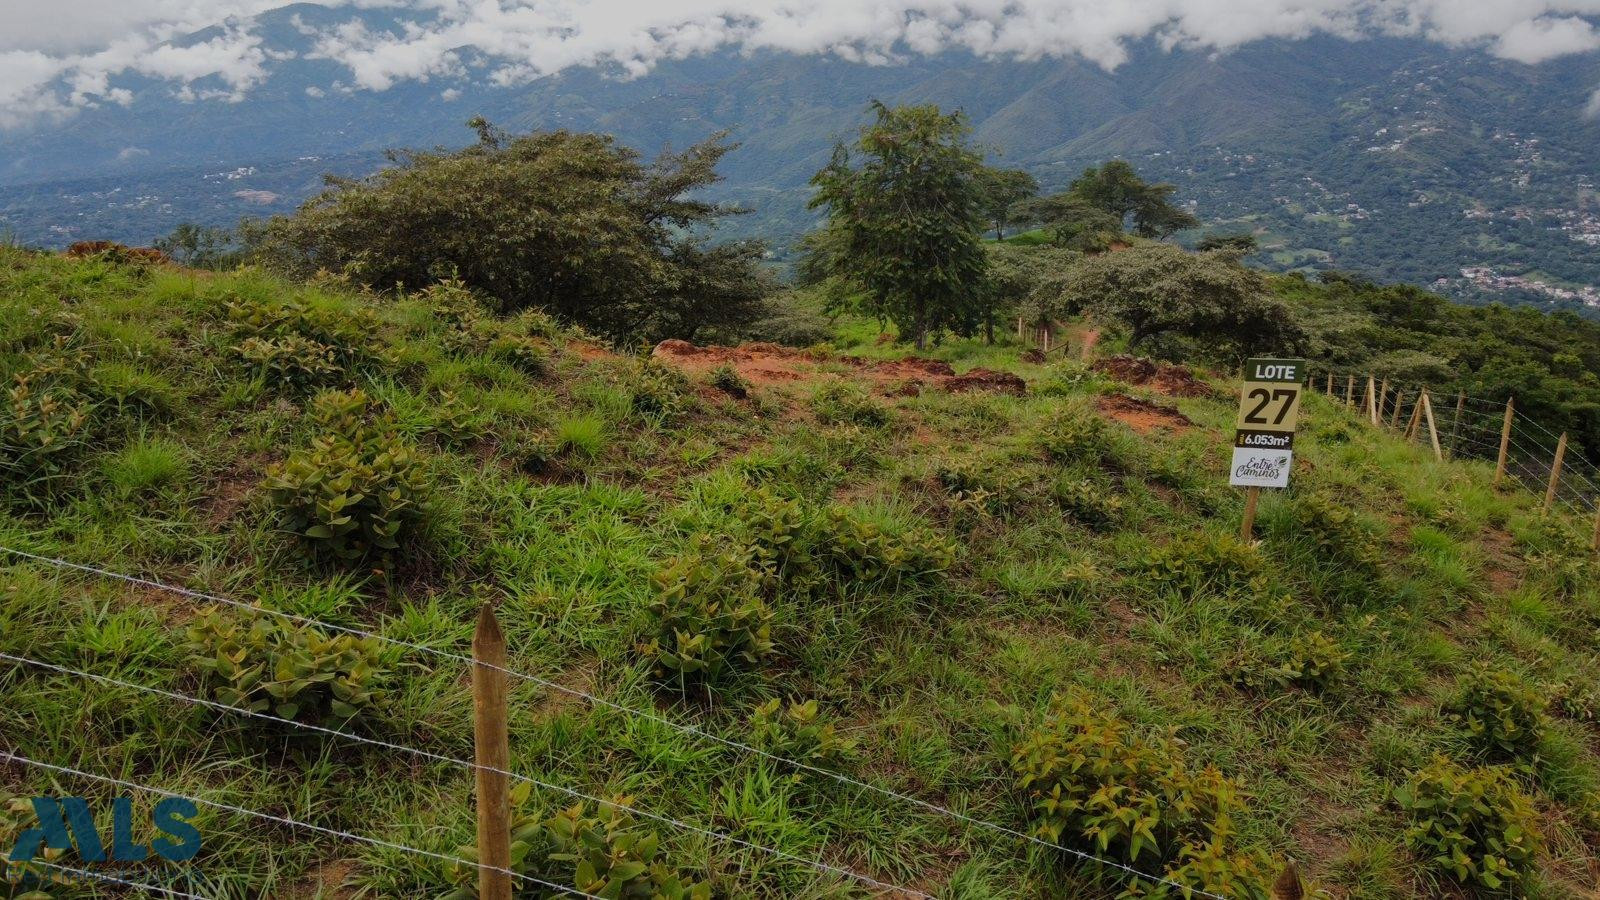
<point x="1399" y="159"/>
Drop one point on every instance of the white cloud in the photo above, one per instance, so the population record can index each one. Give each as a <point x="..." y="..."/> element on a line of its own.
<point x="51" y="63"/>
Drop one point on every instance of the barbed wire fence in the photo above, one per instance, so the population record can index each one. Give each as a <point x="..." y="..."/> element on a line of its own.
<point x="880" y="887"/>
<point x="1523" y="450"/>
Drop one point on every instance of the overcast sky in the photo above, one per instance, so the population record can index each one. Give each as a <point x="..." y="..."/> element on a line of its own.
<point x="61" y="56"/>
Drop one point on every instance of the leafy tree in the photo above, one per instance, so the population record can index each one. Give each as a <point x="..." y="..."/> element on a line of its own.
<point x="564" y="221"/>
<point x="1028" y="282"/>
<point x="1116" y="189"/>
<point x="1168" y="296"/>
<point x="905" y="222"/>
<point x="1073" y="222"/>
<point x="1003" y="189"/>
<point x="1241" y="242"/>
<point x="201" y="246"/>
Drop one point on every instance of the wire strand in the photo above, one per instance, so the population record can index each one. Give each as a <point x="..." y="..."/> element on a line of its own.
<point x="293" y="823"/>
<point x="652" y="717"/>
<point x="104" y="876"/>
<point x="439" y="757"/>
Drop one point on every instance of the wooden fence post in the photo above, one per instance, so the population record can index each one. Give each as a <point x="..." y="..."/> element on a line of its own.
<point x="1329" y="389"/>
<point x="492" y="751"/>
<point x="1399" y="402"/>
<point x="1595" y="543"/>
<point x="1248" y="524"/>
<point x="1372" y="401"/>
<point x="1287" y="885"/>
<point x="1555" y="472"/>
<point x="1433" y="427"/>
<point x="1416" y="416"/>
<point x="1455" y="425"/>
<point x="1383" y="401"/>
<point x="1505" y="446"/>
<point x="1350" y="391"/>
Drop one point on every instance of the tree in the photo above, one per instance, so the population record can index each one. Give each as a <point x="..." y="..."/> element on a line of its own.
<point x="564" y="221"/>
<point x="1240" y="242"/>
<point x="1073" y="222"/>
<point x="1166" y="295"/>
<point x="200" y="246"/>
<point x="1002" y="189"/>
<point x="1117" y="190"/>
<point x="906" y="220"/>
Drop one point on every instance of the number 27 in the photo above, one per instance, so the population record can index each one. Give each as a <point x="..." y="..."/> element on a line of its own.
<point x="1254" y="416"/>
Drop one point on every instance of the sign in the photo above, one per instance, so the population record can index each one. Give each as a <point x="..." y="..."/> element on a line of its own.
<point x="1269" y="407"/>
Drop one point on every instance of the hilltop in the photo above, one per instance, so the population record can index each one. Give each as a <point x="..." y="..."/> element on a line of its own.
<point x="1400" y="159"/>
<point x="965" y="581"/>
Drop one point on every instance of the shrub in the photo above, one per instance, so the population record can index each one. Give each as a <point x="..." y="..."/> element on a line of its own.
<point x="43" y="432"/>
<point x="657" y="389"/>
<point x="1473" y="824"/>
<point x="1503" y="715"/>
<point x="1575" y="700"/>
<point x="1198" y="563"/>
<point x="308" y="324"/>
<point x="456" y="422"/>
<point x="1310" y="660"/>
<point x="727" y="379"/>
<point x="1091" y="779"/>
<point x="710" y="617"/>
<point x="989" y="487"/>
<point x="1086" y="501"/>
<point x="861" y="550"/>
<point x="299" y="362"/>
<point x="525" y="354"/>
<point x="268" y="665"/>
<point x="357" y="490"/>
<point x="779" y="534"/>
<point x="1080" y="437"/>
<point x="799" y="732"/>
<point x="843" y="403"/>
<point x="1335" y="533"/>
<point x="611" y="858"/>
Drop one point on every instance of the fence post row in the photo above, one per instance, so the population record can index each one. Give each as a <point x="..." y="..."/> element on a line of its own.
<point x="492" y="751"/>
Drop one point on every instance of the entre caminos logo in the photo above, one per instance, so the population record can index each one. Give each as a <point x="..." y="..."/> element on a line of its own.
<point x="66" y="824"/>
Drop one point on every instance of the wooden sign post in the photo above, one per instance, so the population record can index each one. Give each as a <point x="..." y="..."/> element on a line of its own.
<point x="1263" y="439"/>
<point x="492" y="752"/>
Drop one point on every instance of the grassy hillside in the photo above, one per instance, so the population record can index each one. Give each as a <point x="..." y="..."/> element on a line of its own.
<point x="972" y="586"/>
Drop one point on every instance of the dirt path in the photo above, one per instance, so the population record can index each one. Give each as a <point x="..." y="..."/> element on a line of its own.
<point x="770" y="364"/>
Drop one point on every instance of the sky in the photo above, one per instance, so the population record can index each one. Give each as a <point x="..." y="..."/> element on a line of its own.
<point x="56" y="58"/>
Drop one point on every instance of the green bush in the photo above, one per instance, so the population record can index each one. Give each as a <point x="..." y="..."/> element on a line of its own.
<point x="1310" y="660"/>
<point x="727" y="379"/>
<point x="1077" y="437"/>
<point x="457" y="422"/>
<point x="43" y="433"/>
<point x="1087" y="501"/>
<point x="612" y="858"/>
<point x="1092" y="780"/>
<point x="709" y="615"/>
<point x="1335" y="533"/>
<point x="309" y="325"/>
<point x="657" y="389"/>
<point x="1474" y="825"/>
<point x="1576" y="700"/>
<point x="845" y="403"/>
<point x="860" y="550"/>
<point x="799" y="732"/>
<point x="525" y="354"/>
<point x="299" y="362"/>
<point x="1201" y="562"/>
<point x="268" y="665"/>
<point x="990" y="487"/>
<point x="357" y="490"/>
<point x="780" y="533"/>
<point x="1504" y="716"/>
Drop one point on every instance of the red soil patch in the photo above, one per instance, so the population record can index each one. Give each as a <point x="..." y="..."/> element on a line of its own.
<point x="763" y="363"/>
<point x="1142" y="415"/>
<point x="1174" y="381"/>
<point x="118" y="252"/>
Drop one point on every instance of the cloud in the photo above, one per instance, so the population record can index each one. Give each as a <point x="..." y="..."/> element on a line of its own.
<point x="61" y="63"/>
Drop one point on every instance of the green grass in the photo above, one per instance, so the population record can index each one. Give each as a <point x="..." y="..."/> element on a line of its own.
<point x="567" y="507"/>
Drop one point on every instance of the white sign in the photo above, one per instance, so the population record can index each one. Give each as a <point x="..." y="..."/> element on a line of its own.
<point x="1260" y="468"/>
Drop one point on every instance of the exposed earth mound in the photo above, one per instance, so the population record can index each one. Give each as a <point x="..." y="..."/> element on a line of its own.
<point x="1174" y="381"/>
<point x="764" y="363"/>
<point x="1142" y="415"/>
